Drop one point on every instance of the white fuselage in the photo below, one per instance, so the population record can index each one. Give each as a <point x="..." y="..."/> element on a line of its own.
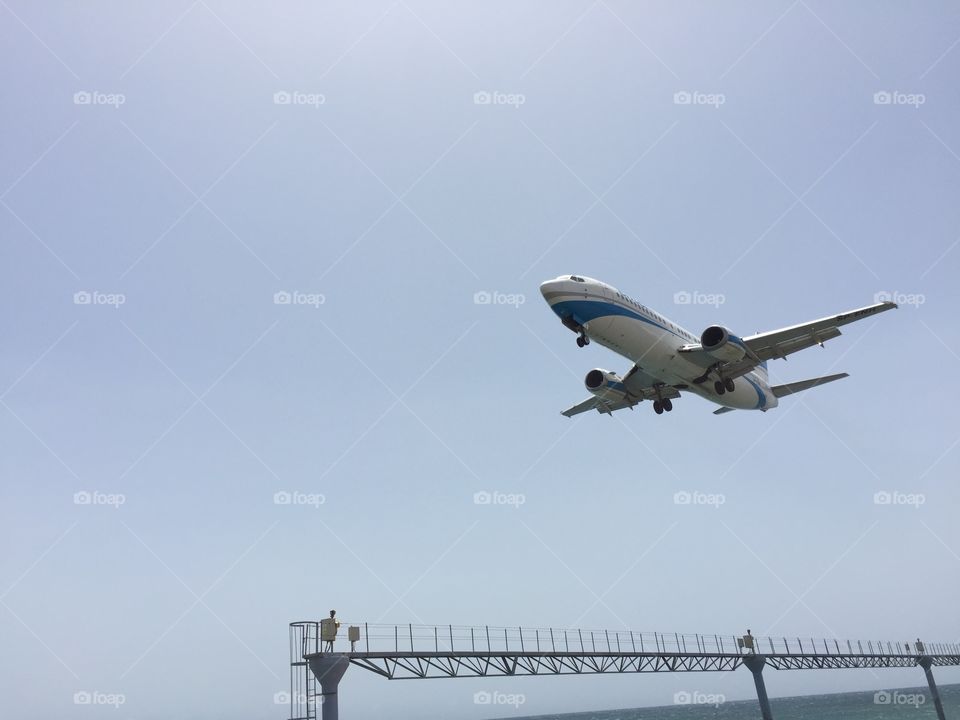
<point x="651" y="341"/>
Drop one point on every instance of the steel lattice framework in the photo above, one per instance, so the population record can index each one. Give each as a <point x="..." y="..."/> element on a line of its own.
<point x="408" y="652"/>
<point x="407" y="666"/>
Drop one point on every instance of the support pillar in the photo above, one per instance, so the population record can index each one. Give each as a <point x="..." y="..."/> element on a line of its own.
<point x="328" y="669"/>
<point x="927" y="664"/>
<point x="754" y="664"/>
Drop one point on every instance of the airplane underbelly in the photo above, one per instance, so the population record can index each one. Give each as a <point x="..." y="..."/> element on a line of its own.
<point x="641" y="342"/>
<point x="599" y="326"/>
<point x="749" y="395"/>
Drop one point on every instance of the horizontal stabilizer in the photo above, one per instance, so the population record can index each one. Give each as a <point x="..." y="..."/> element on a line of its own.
<point x="723" y="410"/>
<point x="795" y="387"/>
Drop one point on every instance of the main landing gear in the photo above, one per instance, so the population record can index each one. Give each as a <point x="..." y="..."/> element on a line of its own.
<point x="582" y="339"/>
<point x="721" y="385"/>
<point x="662" y="406"/>
<point x="724" y="386"/>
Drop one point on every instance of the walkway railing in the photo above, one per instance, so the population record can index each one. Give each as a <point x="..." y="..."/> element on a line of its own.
<point x="410" y="638"/>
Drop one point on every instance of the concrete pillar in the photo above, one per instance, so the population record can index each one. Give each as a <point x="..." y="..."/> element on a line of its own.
<point x="754" y="664"/>
<point x="328" y="669"/>
<point x="927" y="664"/>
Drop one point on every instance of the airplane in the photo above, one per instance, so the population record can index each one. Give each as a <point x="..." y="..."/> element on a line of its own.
<point x="719" y="366"/>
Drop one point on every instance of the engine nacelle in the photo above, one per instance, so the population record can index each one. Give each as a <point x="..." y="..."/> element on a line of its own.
<point x="604" y="384"/>
<point x="722" y="344"/>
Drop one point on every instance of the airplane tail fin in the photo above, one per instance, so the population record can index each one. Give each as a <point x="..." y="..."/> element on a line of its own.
<point x="795" y="387"/>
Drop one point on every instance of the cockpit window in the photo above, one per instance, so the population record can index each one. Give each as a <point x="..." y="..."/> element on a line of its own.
<point x="576" y="278"/>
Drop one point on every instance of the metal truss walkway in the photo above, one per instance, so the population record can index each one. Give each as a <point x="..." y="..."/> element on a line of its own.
<point x="408" y="652"/>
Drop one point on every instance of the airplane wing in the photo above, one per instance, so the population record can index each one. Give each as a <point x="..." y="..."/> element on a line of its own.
<point x="788" y="340"/>
<point x="597" y="404"/>
<point x="608" y="407"/>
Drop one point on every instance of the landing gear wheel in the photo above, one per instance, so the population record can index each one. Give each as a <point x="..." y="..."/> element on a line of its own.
<point x="658" y="407"/>
<point x="580" y="342"/>
<point x="667" y="405"/>
<point x="728" y="384"/>
<point x="719" y="387"/>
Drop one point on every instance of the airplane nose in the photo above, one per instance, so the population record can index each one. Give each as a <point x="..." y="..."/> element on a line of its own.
<point x="548" y="287"/>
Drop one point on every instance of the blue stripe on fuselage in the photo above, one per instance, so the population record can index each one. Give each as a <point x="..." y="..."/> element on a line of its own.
<point x="583" y="311"/>
<point x="761" y="396"/>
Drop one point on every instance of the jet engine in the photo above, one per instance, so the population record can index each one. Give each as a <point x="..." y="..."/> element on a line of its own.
<point x="721" y="344"/>
<point x="604" y="384"/>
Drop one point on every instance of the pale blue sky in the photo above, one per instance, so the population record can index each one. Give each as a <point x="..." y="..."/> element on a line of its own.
<point x="397" y="199"/>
